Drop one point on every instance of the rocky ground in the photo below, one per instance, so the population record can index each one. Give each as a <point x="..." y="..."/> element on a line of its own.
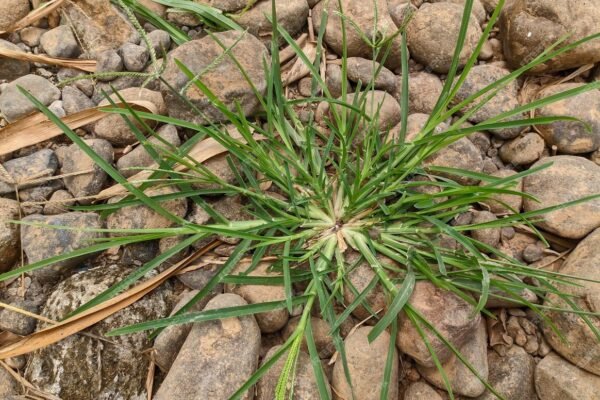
<point x="516" y="352"/>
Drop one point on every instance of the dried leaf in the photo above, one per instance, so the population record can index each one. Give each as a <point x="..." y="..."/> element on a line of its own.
<point x="288" y="53"/>
<point x="36" y="128"/>
<point x="82" y="65"/>
<point x="34" y="16"/>
<point x="299" y="70"/>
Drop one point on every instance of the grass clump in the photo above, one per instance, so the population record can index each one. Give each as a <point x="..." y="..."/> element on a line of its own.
<point x="343" y="186"/>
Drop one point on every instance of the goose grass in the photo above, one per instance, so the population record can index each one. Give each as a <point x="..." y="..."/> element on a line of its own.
<point x="348" y="186"/>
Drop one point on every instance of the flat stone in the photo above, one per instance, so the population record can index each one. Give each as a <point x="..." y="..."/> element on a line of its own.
<point x="557" y="379"/>
<point x="38" y="165"/>
<point x="60" y="42"/>
<point x="14" y="105"/>
<point x="11" y="69"/>
<point x="511" y="375"/>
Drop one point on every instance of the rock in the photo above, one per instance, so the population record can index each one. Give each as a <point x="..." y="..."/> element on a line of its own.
<point x="74" y="100"/>
<point x="399" y="11"/>
<point x="38" y="165"/>
<point x="523" y="150"/>
<point x="160" y="41"/>
<point x="360" y="274"/>
<point x="40" y="243"/>
<point x="139" y="157"/>
<point x="11" y="69"/>
<point x="229" y="6"/>
<point x="381" y="108"/>
<point x="572" y="137"/>
<point x="457" y="323"/>
<point x="362" y="14"/>
<point x="489" y="236"/>
<point x="168" y="343"/>
<point x="134" y="57"/>
<point x="8" y="385"/>
<point x="12" y="11"/>
<point x="557" y="379"/>
<point x="490" y="5"/>
<point x="114" y="128"/>
<point x="333" y="80"/>
<point x="108" y="61"/>
<point x="31" y="35"/>
<point x="291" y="16"/>
<point x="320" y="330"/>
<point x="529" y="27"/>
<point x="143" y="217"/>
<point x="18" y="323"/>
<point x="270" y="321"/>
<point x="60" y="42"/>
<point x="366" y="364"/>
<point x="424" y="89"/>
<point x="9" y="234"/>
<point x="495" y="202"/>
<point x="506" y="99"/>
<point x="462" y="380"/>
<point x="432" y="34"/>
<point x="76" y="161"/>
<point x="99" y="25"/>
<point x="581" y="347"/>
<point x="58" y="203"/>
<point x="569" y="178"/>
<point x="85" y="368"/>
<point x="57" y="109"/>
<point x="217" y="357"/>
<point x="421" y="391"/>
<point x="224" y="79"/>
<point x="305" y="383"/>
<point x="511" y="375"/>
<point x="14" y="105"/>
<point x="363" y="70"/>
<point x="119" y="84"/>
<point x="219" y="166"/>
<point x="478" y="11"/>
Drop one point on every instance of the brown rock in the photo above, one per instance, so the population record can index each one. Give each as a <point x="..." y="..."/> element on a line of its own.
<point x="511" y="375"/>
<point x="320" y="330"/>
<point x="424" y="89"/>
<point x="421" y="391"/>
<point x="9" y="234"/>
<point x="513" y="201"/>
<point x="489" y="236"/>
<point x="523" y="150"/>
<point x="362" y="70"/>
<point x="557" y="379"/>
<point x="76" y="160"/>
<point x="12" y="11"/>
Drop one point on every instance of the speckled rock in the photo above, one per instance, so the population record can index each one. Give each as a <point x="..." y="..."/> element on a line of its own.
<point x="74" y="100"/>
<point x="581" y="346"/>
<point x="531" y="26"/>
<point x="108" y="61"/>
<point x="514" y="202"/>
<point x="456" y="323"/>
<point x="11" y="69"/>
<point x="14" y="105"/>
<point x="84" y="368"/>
<point x="572" y="137"/>
<point x="217" y="357"/>
<point x="557" y="379"/>
<point x="362" y="70"/>
<point x="19" y="323"/>
<point x="377" y="104"/>
<point x="11" y="11"/>
<point x="60" y="42"/>
<point x="305" y="383"/>
<point x="362" y="14"/>
<point x="462" y="380"/>
<point x="271" y="321"/>
<point x="523" y="150"/>
<point x="478" y="11"/>
<point x="421" y="391"/>
<point x="114" y="128"/>
<point x="99" y="25"/>
<point x="366" y="363"/>
<point x="9" y="234"/>
<point x="38" y="165"/>
<point x="134" y="57"/>
<point x="320" y="330"/>
<point x="489" y="236"/>
<point x="58" y="202"/>
<point x="569" y="178"/>
<point x="224" y="79"/>
<point x="8" y="384"/>
<point x="76" y="160"/>
<point x="432" y="35"/>
<point x="506" y="99"/>
<point x="40" y="243"/>
<point x="511" y="375"/>
<point x="424" y="90"/>
<point x="291" y="16"/>
<point x="225" y="5"/>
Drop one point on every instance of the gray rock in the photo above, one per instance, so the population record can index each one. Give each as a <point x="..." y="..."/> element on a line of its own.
<point x="421" y="391"/>
<point x="363" y="70"/>
<point x="9" y="234"/>
<point x="11" y="69"/>
<point x="134" y="57"/>
<point x="38" y="165"/>
<point x="432" y="34"/>
<point x="11" y="11"/>
<point x="108" y="61"/>
<point x="58" y="203"/>
<point x="489" y="236"/>
<point x="211" y="363"/>
<point x="523" y="150"/>
<point x="14" y="105"/>
<point x="40" y="242"/>
<point x="224" y="79"/>
<point x="305" y="383"/>
<point x="456" y="323"/>
<point x="366" y="364"/>
<point x="60" y="42"/>
<point x="572" y="137"/>
<point x="139" y="157"/>
<point x="160" y="41"/>
<point x="511" y="375"/>
<point x="462" y="380"/>
<point x="120" y="83"/>
<point x="557" y="379"/>
<point x="569" y="178"/>
<point x="291" y="16"/>
<point x="8" y="385"/>
<point x="74" y="100"/>
<point x="581" y="346"/>
<point x="333" y="80"/>
<point x="57" y="109"/>
<point x="77" y="161"/>
<point x="18" y="323"/>
<point x="85" y="368"/>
